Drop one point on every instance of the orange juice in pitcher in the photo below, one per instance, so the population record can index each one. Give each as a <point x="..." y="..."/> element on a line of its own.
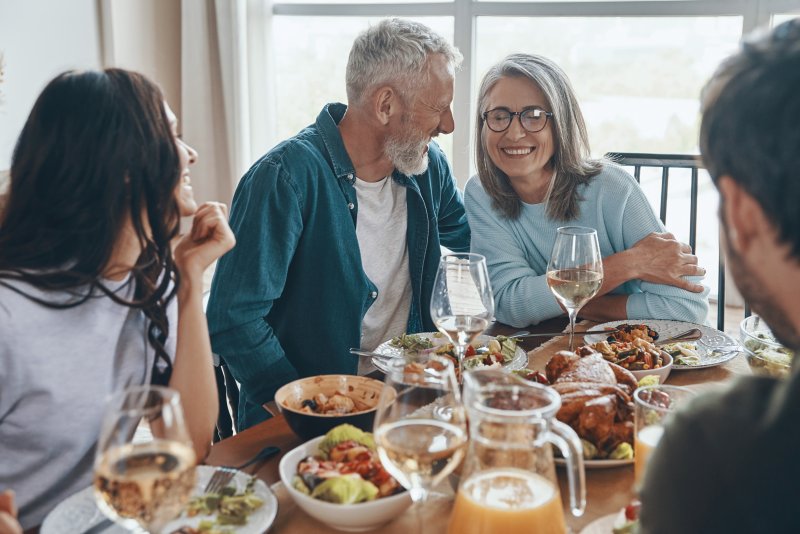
<point x="507" y="501"/>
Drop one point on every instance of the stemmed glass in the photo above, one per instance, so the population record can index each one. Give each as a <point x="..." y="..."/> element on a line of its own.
<point x="575" y="270"/>
<point x="462" y="304"/>
<point x="144" y="469"/>
<point x="420" y="424"/>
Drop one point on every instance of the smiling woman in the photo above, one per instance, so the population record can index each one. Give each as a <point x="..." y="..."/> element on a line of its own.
<point x="534" y="175"/>
<point x="90" y="286"/>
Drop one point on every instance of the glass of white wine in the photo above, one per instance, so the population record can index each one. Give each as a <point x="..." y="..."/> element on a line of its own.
<point x="144" y="470"/>
<point x="575" y="270"/>
<point x="421" y="432"/>
<point x="462" y="303"/>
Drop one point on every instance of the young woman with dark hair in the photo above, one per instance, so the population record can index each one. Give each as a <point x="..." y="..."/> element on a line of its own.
<point x="92" y="296"/>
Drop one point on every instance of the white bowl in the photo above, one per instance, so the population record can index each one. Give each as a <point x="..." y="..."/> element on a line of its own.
<point x="662" y="372"/>
<point x="349" y="517"/>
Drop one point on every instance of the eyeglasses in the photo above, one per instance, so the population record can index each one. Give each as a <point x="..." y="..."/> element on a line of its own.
<point x="532" y="120"/>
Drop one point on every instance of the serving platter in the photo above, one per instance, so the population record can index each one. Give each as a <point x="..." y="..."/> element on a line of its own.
<point x="714" y="348"/>
<point x="520" y="360"/>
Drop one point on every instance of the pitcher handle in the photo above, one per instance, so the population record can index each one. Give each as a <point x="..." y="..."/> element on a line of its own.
<point x="563" y="437"/>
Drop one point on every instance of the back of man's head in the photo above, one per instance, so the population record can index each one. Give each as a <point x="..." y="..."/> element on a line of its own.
<point x="394" y="52"/>
<point x="751" y="125"/>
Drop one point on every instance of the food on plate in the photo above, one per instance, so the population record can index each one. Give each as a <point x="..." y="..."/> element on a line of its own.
<point x="533" y="376"/>
<point x="628" y="522"/>
<point x="479" y="354"/>
<point x="629" y="332"/>
<point x="635" y="355"/>
<point x="684" y="353"/>
<point x="595" y="400"/>
<point x="340" y="403"/>
<point x="346" y="469"/>
<point x="229" y="508"/>
<point x="411" y="342"/>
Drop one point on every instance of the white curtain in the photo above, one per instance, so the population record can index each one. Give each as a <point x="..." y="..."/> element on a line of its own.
<point x="227" y="100"/>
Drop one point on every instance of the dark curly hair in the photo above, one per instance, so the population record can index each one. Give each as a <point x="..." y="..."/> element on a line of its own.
<point x="96" y="150"/>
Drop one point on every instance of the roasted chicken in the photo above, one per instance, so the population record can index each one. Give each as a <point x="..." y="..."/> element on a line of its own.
<point x="595" y="397"/>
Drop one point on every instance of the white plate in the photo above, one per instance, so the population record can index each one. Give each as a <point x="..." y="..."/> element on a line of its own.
<point x="602" y="525"/>
<point x="520" y="360"/>
<point x="79" y="512"/>
<point x="714" y="348"/>
<point x="598" y="464"/>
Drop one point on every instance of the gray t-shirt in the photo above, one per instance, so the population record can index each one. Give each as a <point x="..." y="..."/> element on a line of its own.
<point x="57" y="369"/>
<point x="381" y="231"/>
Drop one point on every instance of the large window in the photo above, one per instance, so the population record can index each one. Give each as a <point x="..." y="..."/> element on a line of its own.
<point x="637" y="79"/>
<point x="637" y="67"/>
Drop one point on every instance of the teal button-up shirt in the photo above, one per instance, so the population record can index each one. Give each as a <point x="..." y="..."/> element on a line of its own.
<point x="288" y="300"/>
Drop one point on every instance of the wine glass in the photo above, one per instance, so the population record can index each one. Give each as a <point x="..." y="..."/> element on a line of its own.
<point x="575" y="270"/>
<point x="144" y="469"/>
<point x="420" y="424"/>
<point x="462" y="304"/>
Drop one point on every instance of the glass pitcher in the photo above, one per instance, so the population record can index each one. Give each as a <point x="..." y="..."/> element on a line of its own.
<point x="508" y="482"/>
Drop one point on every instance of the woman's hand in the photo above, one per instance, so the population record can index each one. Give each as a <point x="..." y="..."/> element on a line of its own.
<point x="209" y="238"/>
<point x="661" y="259"/>
<point x="8" y="514"/>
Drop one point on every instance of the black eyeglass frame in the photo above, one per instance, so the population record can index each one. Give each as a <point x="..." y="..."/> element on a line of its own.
<point x="547" y="115"/>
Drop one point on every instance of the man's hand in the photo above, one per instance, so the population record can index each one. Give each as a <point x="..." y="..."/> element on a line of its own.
<point x="8" y="514"/>
<point x="661" y="259"/>
<point x="209" y="238"/>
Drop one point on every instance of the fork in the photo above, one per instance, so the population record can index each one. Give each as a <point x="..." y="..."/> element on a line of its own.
<point x="225" y="473"/>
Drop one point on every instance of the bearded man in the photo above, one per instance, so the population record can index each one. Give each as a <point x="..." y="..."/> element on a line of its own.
<point x="339" y="228"/>
<point x="730" y="462"/>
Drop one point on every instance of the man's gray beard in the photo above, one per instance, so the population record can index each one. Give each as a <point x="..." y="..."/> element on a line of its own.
<point x="407" y="152"/>
<point x="760" y="301"/>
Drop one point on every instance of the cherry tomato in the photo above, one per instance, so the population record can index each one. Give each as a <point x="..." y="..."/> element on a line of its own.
<point x="632" y="510"/>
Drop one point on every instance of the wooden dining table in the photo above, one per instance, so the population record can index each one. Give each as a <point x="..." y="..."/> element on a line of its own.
<point x="608" y="490"/>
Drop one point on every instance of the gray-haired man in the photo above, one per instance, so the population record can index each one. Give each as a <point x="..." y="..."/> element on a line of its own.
<point x="339" y="227"/>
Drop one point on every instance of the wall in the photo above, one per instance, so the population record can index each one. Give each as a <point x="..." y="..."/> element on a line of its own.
<point x="145" y="35"/>
<point x="39" y="39"/>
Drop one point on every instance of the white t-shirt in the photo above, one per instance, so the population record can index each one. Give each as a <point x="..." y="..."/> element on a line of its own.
<point x="57" y="369"/>
<point x="381" y="231"/>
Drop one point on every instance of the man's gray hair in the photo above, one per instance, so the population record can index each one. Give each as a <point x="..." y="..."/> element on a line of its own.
<point x="394" y="52"/>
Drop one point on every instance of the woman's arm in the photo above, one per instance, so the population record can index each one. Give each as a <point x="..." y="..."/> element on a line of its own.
<point x="193" y="370"/>
<point x="658" y="258"/>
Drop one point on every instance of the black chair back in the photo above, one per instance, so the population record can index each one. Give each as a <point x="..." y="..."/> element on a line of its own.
<point x="679" y="161"/>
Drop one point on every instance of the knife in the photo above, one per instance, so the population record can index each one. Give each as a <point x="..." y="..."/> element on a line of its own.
<point x="554" y="334"/>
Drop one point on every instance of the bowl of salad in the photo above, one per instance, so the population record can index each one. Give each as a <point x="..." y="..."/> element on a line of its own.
<point x="765" y="354"/>
<point x="338" y="479"/>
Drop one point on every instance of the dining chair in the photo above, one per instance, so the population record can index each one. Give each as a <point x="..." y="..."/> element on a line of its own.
<point x="666" y="162"/>
<point x="227" y="394"/>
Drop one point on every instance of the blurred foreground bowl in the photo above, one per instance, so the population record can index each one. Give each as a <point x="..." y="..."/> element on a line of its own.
<point x="349" y="517"/>
<point x="765" y="354"/>
<point x="365" y="392"/>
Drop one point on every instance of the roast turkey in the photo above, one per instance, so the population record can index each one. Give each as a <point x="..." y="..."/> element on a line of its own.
<point x="595" y="397"/>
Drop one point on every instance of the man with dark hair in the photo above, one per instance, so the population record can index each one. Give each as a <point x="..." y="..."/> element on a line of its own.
<point x="340" y="227"/>
<point x="730" y="463"/>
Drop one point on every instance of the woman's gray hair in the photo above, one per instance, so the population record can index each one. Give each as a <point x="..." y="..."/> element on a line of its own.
<point x="571" y="162"/>
<point x="394" y="52"/>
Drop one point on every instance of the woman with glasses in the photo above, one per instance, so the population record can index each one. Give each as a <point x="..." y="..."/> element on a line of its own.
<point x="535" y="175"/>
<point x="92" y="296"/>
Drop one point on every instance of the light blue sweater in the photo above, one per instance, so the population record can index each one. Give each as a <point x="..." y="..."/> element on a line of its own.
<point x="517" y="251"/>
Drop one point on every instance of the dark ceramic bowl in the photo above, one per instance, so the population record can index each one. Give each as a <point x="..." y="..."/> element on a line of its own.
<point x="365" y="392"/>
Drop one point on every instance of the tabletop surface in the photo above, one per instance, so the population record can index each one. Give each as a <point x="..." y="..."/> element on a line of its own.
<point x="608" y="490"/>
